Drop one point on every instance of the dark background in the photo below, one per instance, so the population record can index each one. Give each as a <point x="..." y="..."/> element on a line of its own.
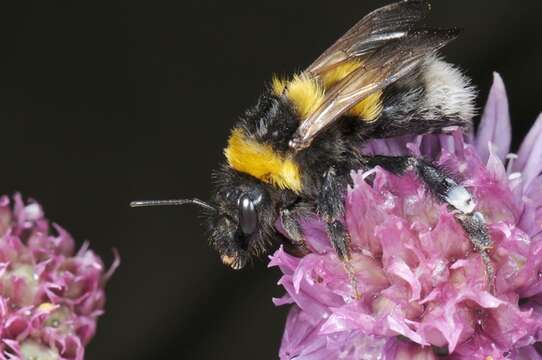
<point x="103" y="103"/>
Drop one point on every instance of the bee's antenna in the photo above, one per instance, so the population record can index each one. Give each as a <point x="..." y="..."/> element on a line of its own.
<point x="198" y="202"/>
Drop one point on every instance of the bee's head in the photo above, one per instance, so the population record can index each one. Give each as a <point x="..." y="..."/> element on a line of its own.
<point x="242" y="226"/>
<point x="240" y="217"/>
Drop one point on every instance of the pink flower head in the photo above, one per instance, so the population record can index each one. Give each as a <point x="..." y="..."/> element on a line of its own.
<point x="50" y="297"/>
<point x="424" y="293"/>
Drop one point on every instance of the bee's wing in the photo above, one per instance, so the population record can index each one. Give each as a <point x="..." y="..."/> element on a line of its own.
<point x="383" y="67"/>
<point x="382" y="25"/>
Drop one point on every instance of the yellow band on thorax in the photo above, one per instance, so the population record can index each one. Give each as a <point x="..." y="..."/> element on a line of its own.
<point x="307" y="92"/>
<point x="261" y="161"/>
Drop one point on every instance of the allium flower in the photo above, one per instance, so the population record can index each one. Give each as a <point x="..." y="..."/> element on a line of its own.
<point x="50" y="298"/>
<point x="424" y="293"/>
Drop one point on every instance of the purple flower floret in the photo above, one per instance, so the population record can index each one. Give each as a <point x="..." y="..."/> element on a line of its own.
<point x="50" y="297"/>
<point x="423" y="289"/>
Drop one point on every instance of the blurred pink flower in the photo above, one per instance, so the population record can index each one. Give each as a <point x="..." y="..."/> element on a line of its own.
<point x="423" y="289"/>
<point x="50" y="298"/>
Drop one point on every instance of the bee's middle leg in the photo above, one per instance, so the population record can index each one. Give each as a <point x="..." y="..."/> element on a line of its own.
<point x="330" y="206"/>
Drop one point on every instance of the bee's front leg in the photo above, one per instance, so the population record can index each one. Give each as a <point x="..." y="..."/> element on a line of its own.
<point x="290" y="223"/>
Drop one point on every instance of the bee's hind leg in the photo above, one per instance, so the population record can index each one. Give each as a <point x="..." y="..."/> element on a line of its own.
<point x="475" y="227"/>
<point x="330" y="206"/>
<point x="450" y="192"/>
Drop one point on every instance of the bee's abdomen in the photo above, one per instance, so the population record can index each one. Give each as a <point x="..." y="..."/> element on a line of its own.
<point x="448" y="93"/>
<point x="434" y="96"/>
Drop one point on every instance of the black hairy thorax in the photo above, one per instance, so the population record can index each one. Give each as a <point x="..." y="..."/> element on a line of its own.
<point x="274" y="120"/>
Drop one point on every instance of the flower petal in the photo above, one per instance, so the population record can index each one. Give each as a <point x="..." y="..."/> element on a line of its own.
<point x="413" y="273"/>
<point x="495" y="126"/>
<point x="396" y="349"/>
<point x="529" y="161"/>
<point x="50" y="296"/>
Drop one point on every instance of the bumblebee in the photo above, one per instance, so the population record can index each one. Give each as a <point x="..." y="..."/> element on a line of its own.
<point x="290" y="156"/>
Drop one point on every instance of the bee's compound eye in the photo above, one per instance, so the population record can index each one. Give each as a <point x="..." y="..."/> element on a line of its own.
<point x="248" y="219"/>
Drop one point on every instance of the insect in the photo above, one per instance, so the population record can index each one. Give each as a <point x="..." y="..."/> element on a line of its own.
<point x="291" y="154"/>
